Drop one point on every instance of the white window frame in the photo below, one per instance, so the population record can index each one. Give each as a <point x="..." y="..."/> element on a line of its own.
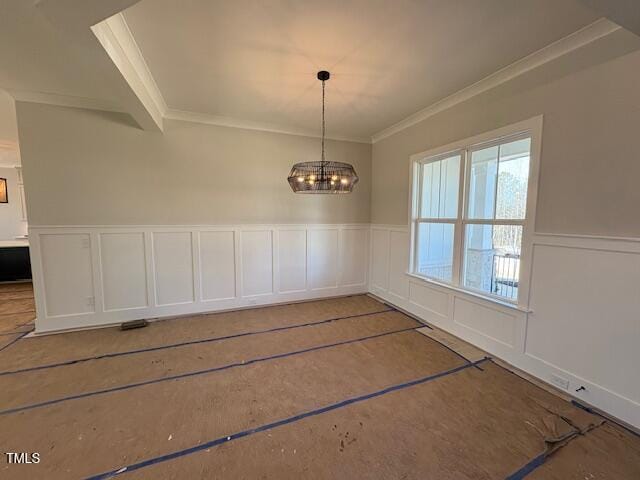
<point x="529" y="128"/>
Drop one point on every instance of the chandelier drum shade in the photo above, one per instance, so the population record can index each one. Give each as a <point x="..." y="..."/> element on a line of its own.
<point x="322" y="176"/>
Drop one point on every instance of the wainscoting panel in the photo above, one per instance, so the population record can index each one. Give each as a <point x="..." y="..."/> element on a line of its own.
<point x="323" y="259"/>
<point x="580" y="326"/>
<point x="492" y="323"/>
<point x="124" y="272"/>
<point x="67" y="274"/>
<point x="292" y="260"/>
<point x="353" y="257"/>
<point x="173" y="263"/>
<point x="87" y="276"/>
<point x="398" y="263"/>
<point x="592" y="306"/>
<point x="257" y="262"/>
<point x="433" y="301"/>
<point x="380" y="258"/>
<point x="217" y="265"/>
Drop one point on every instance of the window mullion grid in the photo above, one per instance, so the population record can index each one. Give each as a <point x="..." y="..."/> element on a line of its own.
<point x="416" y="221"/>
<point x="436" y="220"/>
<point x="493" y="221"/>
<point x="458" y="232"/>
<point x="495" y="189"/>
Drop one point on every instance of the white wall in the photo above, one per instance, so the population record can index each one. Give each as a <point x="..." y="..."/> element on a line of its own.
<point x="89" y="276"/>
<point x="11" y="223"/>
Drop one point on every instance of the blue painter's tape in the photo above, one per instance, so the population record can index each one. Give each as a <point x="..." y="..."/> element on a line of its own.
<point x="15" y="332"/>
<point x="182" y="344"/>
<point x="593" y="412"/>
<point x="528" y="468"/>
<point x="198" y="372"/>
<point x="539" y="460"/>
<point x="28" y="323"/>
<point x="279" y="423"/>
<point x="14" y="341"/>
<point x="451" y="350"/>
<point x="408" y="314"/>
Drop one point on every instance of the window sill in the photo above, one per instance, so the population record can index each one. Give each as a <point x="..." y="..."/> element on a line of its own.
<point x="470" y="293"/>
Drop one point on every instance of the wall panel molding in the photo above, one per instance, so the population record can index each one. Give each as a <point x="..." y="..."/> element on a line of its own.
<point x="90" y="276"/>
<point x="581" y="325"/>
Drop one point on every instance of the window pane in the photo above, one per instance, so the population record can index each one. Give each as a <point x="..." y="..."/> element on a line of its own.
<point x="435" y="250"/>
<point x="498" y="181"/>
<point x="482" y="184"/>
<point x="492" y="259"/>
<point x="513" y="177"/>
<point x="440" y="181"/>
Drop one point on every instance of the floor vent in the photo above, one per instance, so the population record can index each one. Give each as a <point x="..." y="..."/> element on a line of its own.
<point x="133" y="324"/>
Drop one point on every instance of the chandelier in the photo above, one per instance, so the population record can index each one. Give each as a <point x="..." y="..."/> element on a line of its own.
<point x="322" y="176"/>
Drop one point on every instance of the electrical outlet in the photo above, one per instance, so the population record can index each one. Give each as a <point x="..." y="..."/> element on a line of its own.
<point x="560" y="382"/>
<point x="251" y="301"/>
<point x="91" y="302"/>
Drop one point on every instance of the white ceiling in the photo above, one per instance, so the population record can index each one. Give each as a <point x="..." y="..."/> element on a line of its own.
<point x="257" y="60"/>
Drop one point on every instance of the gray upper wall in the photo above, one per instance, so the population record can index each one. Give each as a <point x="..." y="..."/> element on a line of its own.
<point x="84" y="167"/>
<point x="590" y="164"/>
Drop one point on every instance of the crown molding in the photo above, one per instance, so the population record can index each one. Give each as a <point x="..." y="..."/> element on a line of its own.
<point x="205" y="118"/>
<point x="590" y="33"/>
<point x="49" y="98"/>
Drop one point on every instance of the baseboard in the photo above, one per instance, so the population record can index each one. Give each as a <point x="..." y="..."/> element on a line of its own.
<point x="45" y="333"/>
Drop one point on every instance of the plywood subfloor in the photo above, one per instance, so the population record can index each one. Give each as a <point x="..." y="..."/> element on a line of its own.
<point x="338" y="388"/>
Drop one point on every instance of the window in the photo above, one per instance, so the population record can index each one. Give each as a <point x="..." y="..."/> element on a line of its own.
<point x="439" y="197"/>
<point x="469" y="214"/>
